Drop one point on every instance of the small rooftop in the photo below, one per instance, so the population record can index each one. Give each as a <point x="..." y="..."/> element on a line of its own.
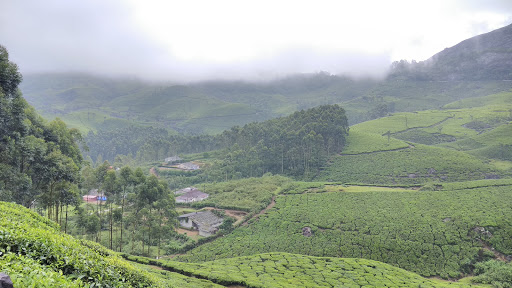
<point x="191" y="195"/>
<point x="204" y="218"/>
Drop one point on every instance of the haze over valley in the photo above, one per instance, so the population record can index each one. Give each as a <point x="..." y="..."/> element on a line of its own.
<point x="256" y="144"/>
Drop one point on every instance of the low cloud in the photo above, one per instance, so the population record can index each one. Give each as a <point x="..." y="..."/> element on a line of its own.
<point x="104" y="37"/>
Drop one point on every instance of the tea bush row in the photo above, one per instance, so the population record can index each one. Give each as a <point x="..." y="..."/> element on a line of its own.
<point x="427" y="232"/>
<point x="60" y="260"/>
<point x="416" y="165"/>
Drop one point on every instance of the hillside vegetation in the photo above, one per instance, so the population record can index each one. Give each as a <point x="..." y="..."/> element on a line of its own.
<point x="461" y="142"/>
<point x="29" y="242"/>
<point x="427" y="232"/>
<point x="91" y="103"/>
<point x="421" y="181"/>
<point x="293" y="270"/>
<point x="418" y="164"/>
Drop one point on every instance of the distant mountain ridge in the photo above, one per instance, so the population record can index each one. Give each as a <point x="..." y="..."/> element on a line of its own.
<point x="478" y="66"/>
<point x="484" y="57"/>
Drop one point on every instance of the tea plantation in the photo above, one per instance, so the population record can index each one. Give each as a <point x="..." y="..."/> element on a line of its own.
<point x="34" y="253"/>
<point x="427" y="232"/>
<point x="415" y="165"/>
<point x="292" y="270"/>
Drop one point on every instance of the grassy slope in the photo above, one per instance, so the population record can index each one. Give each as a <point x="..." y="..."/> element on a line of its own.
<point x="214" y="107"/>
<point x="37" y="254"/>
<point x="377" y="154"/>
<point x="407" y="166"/>
<point x="292" y="270"/>
<point x="427" y="232"/>
<point x="251" y="194"/>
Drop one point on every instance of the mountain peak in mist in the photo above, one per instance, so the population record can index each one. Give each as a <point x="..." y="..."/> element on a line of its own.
<point x="484" y="57"/>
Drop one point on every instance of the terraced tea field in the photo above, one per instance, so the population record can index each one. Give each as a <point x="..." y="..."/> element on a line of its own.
<point x="427" y="232"/>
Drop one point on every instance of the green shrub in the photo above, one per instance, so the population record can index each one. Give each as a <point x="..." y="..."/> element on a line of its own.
<point x="496" y="273"/>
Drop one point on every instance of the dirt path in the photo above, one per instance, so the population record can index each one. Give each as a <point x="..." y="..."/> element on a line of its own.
<point x="422" y="127"/>
<point x="189" y="232"/>
<point x="272" y="204"/>
<point x="500" y="256"/>
<point x="380" y="151"/>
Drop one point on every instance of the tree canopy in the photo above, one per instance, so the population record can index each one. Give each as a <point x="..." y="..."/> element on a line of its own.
<point x="38" y="160"/>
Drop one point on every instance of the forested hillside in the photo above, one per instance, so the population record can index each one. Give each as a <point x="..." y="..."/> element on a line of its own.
<point x="297" y="144"/>
<point x="38" y="160"/>
<point x="92" y="103"/>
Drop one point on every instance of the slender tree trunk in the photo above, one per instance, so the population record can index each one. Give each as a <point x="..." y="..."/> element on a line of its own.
<point x="61" y="208"/>
<point x="282" y="160"/>
<point x="57" y="212"/>
<point x="99" y="215"/>
<point x="66" y="223"/>
<point x="149" y="233"/>
<point x="50" y="200"/>
<point x="133" y="239"/>
<point x="149" y="241"/>
<point x="117" y="235"/>
<point x="110" y="225"/>
<point x="159" y="236"/>
<point x="122" y="212"/>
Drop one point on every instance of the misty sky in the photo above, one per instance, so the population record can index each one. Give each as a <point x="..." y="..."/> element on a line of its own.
<point x="197" y="40"/>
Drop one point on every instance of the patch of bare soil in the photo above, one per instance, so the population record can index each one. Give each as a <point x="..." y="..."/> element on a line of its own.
<point x="190" y="233"/>
<point x="498" y="255"/>
<point x="152" y="171"/>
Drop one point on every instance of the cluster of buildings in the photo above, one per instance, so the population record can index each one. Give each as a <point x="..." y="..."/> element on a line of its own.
<point x="206" y="222"/>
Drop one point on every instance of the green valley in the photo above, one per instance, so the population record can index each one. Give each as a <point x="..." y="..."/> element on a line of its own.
<point x="308" y="180"/>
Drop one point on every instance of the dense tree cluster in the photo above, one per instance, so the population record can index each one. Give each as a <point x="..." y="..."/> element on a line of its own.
<point x="298" y="144"/>
<point x="143" y="144"/>
<point x="38" y="160"/>
<point x="143" y="205"/>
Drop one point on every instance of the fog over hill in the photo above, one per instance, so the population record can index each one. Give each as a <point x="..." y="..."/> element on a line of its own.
<point x="484" y="57"/>
<point x="229" y="40"/>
